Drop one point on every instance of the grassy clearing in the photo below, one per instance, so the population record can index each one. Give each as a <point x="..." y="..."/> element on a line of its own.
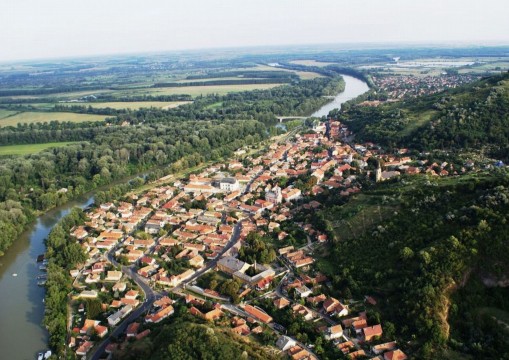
<point x="359" y="215"/>
<point x="29" y="148"/>
<point x="215" y="105"/>
<point x="311" y="63"/>
<point x="132" y="105"/>
<point x="417" y="122"/>
<point x="35" y="117"/>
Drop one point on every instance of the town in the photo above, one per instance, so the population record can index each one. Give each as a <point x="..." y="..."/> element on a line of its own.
<point x="225" y="244"/>
<point x="398" y="87"/>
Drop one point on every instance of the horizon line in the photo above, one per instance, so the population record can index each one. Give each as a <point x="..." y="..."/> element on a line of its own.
<point x="345" y="46"/>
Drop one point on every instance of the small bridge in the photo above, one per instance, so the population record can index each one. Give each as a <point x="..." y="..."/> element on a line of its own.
<point x="285" y="118"/>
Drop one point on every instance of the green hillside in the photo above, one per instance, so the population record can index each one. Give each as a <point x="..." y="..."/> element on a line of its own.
<point x="186" y="340"/>
<point x="474" y="116"/>
<point x="441" y="235"/>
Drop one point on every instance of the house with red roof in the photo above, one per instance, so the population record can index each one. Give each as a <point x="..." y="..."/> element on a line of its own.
<point x="101" y="331"/>
<point x="84" y="348"/>
<point x="371" y="332"/>
<point x="258" y="313"/>
<point x="132" y="329"/>
<point x="395" y="355"/>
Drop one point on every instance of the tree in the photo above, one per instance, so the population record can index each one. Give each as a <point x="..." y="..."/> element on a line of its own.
<point x="407" y="253"/>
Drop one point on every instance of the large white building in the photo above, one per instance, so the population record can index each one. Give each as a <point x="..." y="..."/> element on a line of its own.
<point x="275" y="196"/>
<point x="115" y="318"/>
<point x="229" y="184"/>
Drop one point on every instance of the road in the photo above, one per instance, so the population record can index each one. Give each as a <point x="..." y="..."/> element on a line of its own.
<point x="150" y="294"/>
<point x="150" y="297"/>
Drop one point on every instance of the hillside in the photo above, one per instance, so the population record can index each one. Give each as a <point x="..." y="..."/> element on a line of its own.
<point x="426" y="262"/>
<point x="183" y="340"/>
<point x="470" y="116"/>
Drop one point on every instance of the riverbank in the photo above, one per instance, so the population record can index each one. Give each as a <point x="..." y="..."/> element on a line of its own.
<point x="21" y="307"/>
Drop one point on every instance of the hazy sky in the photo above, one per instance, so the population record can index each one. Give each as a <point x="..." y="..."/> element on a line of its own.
<point x="56" y="28"/>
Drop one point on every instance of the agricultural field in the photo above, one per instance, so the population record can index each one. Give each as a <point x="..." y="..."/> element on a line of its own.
<point x="156" y="91"/>
<point x="130" y="105"/>
<point x="304" y="75"/>
<point x="307" y="75"/>
<point x="29" y="148"/>
<point x="35" y="117"/>
<point x="6" y="113"/>
<point x="311" y="63"/>
<point x="204" y="90"/>
<point x="215" y="79"/>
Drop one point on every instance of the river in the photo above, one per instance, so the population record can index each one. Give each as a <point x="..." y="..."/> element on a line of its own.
<point x="22" y="335"/>
<point x="353" y="88"/>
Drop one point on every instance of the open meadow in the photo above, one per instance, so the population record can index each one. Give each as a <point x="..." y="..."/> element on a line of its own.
<point x="311" y="63"/>
<point x="35" y="117"/>
<point x="29" y="148"/>
<point x="134" y="105"/>
<point x="204" y="90"/>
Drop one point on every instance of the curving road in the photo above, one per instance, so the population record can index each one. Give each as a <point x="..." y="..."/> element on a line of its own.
<point x="150" y="297"/>
<point x="150" y="294"/>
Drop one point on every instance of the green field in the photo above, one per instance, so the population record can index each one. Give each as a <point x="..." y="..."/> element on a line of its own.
<point x="131" y="105"/>
<point x="29" y="148"/>
<point x="6" y="113"/>
<point x="304" y="75"/>
<point x="215" y="79"/>
<point x="155" y="91"/>
<point x="307" y="75"/>
<point x="143" y="86"/>
<point x="311" y="63"/>
<point x="205" y="90"/>
<point x="35" y="117"/>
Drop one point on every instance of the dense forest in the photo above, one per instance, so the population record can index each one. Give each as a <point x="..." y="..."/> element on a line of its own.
<point x="441" y="234"/>
<point x="474" y="116"/>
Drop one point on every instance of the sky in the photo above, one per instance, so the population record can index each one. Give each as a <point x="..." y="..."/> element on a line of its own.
<point x="33" y="29"/>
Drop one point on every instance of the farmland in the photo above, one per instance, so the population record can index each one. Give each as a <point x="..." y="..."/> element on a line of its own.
<point x="132" y="105"/>
<point x="205" y="90"/>
<point x="29" y="148"/>
<point x="6" y="113"/>
<point x="312" y="63"/>
<point x="34" y="117"/>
